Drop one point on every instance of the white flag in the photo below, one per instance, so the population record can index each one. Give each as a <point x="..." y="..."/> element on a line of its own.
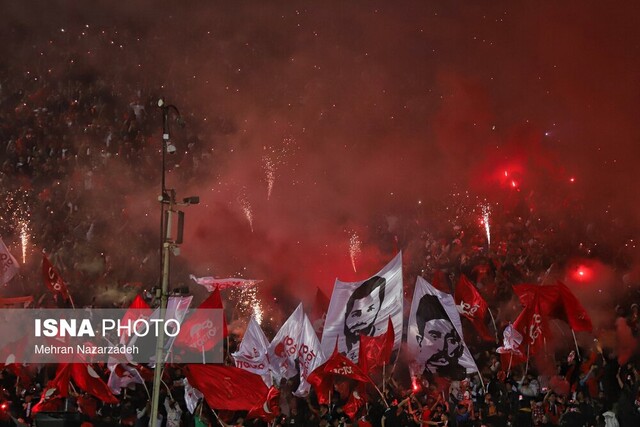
<point x="8" y="264"/>
<point x="364" y="308"/>
<point x="434" y="335"/>
<point x="310" y="356"/>
<point x="283" y="349"/>
<point x="122" y="376"/>
<point x="252" y="352"/>
<point x="191" y="396"/>
<point x="211" y="283"/>
<point x="512" y="340"/>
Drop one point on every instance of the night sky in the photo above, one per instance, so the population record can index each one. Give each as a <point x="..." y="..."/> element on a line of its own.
<point x="369" y="117"/>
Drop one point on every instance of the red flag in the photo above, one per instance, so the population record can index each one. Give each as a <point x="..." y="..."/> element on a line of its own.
<point x="532" y="324"/>
<point x="55" y="391"/>
<point x="87" y="379"/>
<point x="269" y="408"/>
<point x="319" y="312"/>
<point x="355" y="402"/>
<point x="575" y="313"/>
<point x="52" y="279"/>
<point x="339" y="366"/>
<point x="471" y="305"/>
<point x="138" y="309"/>
<point x="227" y="387"/>
<point x="376" y="351"/>
<point x="558" y="302"/>
<point x="199" y="332"/>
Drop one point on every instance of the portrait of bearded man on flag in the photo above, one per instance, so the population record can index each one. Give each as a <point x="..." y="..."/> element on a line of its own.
<point x="362" y="311"/>
<point x="440" y="345"/>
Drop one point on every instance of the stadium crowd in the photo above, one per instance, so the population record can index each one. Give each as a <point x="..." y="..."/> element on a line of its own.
<point x="74" y="128"/>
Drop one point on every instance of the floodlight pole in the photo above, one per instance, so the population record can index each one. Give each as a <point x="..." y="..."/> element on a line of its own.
<point x="167" y="197"/>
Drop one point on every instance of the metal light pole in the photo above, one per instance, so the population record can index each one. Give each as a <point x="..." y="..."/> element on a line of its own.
<point x="169" y="244"/>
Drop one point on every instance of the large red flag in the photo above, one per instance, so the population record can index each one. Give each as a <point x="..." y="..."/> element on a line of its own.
<point x="376" y="351"/>
<point x="558" y="302"/>
<point x="471" y="305"/>
<point x="55" y="391"/>
<point x="199" y="332"/>
<point x="269" y="408"/>
<point x="337" y="366"/>
<point x="87" y="379"/>
<point x="575" y="313"/>
<point x="227" y="387"/>
<point x="533" y="326"/>
<point x="52" y="279"/>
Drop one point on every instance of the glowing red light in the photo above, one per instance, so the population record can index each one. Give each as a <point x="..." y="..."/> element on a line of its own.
<point x="506" y="173"/>
<point x="414" y="385"/>
<point x="582" y="273"/>
<point x="4" y="406"/>
<point x="514" y="184"/>
<point x="572" y="179"/>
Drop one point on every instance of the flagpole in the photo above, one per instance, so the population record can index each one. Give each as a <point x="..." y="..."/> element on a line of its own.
<point x="526" y="368"/>
<point x="71" y="300"/>
<point x="495" y="328"/>
<point x="575" y="341"/>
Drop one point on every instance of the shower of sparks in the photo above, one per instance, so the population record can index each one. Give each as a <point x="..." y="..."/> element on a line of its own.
<point x="247" y="302"/>
<point x="269" y="167"/>
<point x="355" y="249"/>
<point x="246" y="209"/>
<point x="15" y="217"/>
<point x="24" y="239"/>
<point x="275" y="157"/>
<point x="485" y="222"/>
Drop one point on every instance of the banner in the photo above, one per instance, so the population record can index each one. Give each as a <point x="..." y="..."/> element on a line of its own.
<point x="211" y="283"/>
<point x="8" y="264"/>
<point x="363" y="308"/>
<point x="252" y="352"/>
<point x="310" y="356"/>
<point x="434" y="335"/>
<point x="283" y="349"/>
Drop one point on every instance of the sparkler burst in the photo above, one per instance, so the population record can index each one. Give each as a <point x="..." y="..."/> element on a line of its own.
<point x="248" y="302"/>
<point x="246" y="209"/>
<point x="24" y="239"/>
<point x="485" y="221"/>
<point x="269" y="167"/>
<point x="16" y="214"/>
<point x="355" y="248"/>
<point x="276" y="157"/>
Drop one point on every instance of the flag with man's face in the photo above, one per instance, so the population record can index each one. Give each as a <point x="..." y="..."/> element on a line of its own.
<point x="364" y="308"/>
<point x="434" y="335"/>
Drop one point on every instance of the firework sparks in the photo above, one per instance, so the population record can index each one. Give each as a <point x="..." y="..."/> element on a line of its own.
<point x="485" y="221"/>
<point x="246" y="209"/>
<point x="248" y="302"/>
<point x="269" y="167"/>
<point x="24" y="239"/>
<point x="355" y="249"/>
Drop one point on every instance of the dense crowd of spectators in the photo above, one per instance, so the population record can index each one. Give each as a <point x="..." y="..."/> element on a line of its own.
<point x="62" y="139"/>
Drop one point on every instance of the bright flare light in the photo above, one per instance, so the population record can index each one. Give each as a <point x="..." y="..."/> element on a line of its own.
<point x="485" y="221"/>
<point x="24" y="239"/>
